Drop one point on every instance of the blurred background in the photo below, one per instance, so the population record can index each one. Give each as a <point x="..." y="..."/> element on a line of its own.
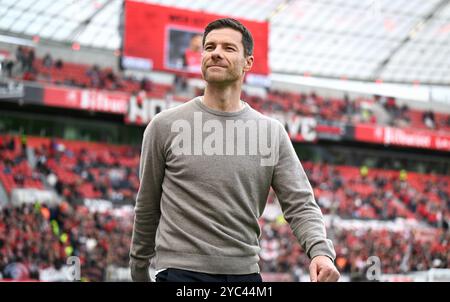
<point x="362" y="87"/>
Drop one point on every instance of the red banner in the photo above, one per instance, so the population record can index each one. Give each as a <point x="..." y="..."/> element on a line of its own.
<point x="300" y="128"/>
<point x="86" y="99"/>
<point x="402" y="137"/>
<point x="167" y="38"/>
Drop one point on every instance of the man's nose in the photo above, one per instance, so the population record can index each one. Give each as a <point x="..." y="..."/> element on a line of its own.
<point x="216" y="53"/>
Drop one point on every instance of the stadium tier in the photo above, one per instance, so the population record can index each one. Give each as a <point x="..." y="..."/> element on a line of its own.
<point x="364" y="110"/>
<point x="75" y="226"/>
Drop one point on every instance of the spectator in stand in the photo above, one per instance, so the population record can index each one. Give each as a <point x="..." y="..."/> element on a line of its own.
<point x="180" y="83"/>
<point x="8" y="65"/>
<point x="94" y="75"/>
<point x="29" y="61"/>
<point x="403" y="119"/>
<point x="389" y="103"/>
<point x="11" y="143"/>
<point x="59" y="64"/>
<point x="29" y="75"/>
<point x="429" y="119"/>
<point x="21" y="57"/>
<point x="146" y="84"/>
<point x="110" y="79"/>
<point x="23" y="145"/>
<point x="47" y="61"/>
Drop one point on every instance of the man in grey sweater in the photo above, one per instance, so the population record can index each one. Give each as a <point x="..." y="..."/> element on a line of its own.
<point x="206" y="170"/>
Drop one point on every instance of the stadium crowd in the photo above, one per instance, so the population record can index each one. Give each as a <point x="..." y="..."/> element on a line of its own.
<point x="39" y="236"/>
<point x="111" y="173"/>
<point x="399" y="251"/>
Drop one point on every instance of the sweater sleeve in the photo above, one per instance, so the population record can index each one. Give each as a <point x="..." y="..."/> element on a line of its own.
<point x="147" y="208"/>
<point x="296" y="198"/>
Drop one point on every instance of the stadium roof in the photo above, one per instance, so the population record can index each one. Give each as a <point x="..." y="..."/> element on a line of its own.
<point x="393" y="40"/>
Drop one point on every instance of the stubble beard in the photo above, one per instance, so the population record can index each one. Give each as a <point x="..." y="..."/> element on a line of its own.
<point x="222" y="78"/>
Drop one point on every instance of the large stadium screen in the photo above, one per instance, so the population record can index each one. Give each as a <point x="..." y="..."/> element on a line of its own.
<point x="165" y="38"/>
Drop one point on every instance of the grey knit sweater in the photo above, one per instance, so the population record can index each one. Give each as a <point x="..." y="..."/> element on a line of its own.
<point x="202" y="192"/>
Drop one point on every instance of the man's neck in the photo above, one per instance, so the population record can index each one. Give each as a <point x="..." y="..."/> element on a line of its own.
<point x="225" y="99"/>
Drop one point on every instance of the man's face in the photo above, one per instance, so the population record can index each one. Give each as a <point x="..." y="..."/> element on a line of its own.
<point x="223" y="59"/>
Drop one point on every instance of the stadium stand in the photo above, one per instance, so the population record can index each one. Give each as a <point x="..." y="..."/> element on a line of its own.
<point x="354" y="111"/>
<point x="100" y="238"/>
<point x="72" y="195"/>
<point x="78" y="170"/>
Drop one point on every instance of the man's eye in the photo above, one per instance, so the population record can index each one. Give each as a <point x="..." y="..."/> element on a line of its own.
<point x="230" y="48"/>
<point x="208" y="47"/>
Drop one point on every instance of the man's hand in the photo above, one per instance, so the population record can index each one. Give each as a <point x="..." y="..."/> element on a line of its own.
<point x="139" y="271"/>
<point x="322" y="269"/>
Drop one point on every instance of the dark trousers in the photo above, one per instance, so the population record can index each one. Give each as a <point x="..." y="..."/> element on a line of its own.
<point x="180" y="275"/>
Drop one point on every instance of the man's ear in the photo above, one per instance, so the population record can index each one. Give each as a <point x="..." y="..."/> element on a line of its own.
<point x="248" y="63"/>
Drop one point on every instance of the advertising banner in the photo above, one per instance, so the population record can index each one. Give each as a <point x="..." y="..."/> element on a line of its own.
<point x="402" y="137"/>
<point x="300" y="128"/>
<point x="86" y="99"/>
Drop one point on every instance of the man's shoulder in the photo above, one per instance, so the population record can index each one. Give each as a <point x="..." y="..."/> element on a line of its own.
<point x="271" y="120"/>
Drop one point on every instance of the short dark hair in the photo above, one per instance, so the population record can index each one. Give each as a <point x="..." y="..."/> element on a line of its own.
<point x="247" y="39"/>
